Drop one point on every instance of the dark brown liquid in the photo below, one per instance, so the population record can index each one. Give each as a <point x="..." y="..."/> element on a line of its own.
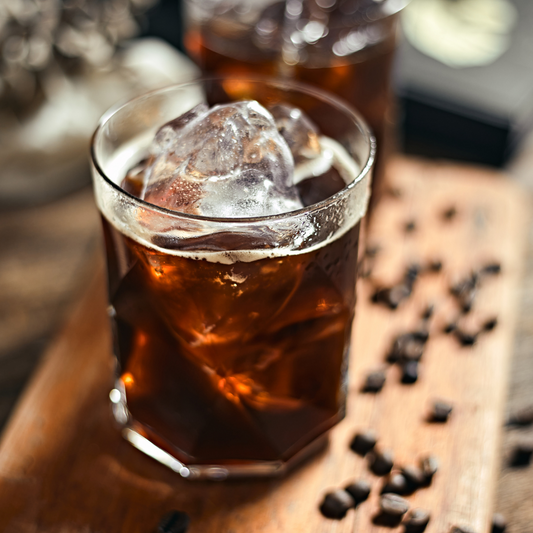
<point x="363" y="79"/>
<point x="232" y="363"/>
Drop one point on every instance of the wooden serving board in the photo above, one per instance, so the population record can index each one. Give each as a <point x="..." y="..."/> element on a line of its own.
<point x="64" y="466"/>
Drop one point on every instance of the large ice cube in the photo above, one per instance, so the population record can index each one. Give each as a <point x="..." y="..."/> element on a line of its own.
<point x="229" y="161"/>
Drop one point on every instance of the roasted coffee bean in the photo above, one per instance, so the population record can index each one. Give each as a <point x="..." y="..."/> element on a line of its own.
<point x="406" y="348"/>
<point x="449" y="213"/>
<point x="499" y="523"/>
<point x="411" y="273"/>
<point x="440" y="411"/>
<point x="410" y="226"/>
<point x="491" y="269"/>
<point x="392" y="297"/>
<point x="466" y="301"/>
<point x="465" y="286"/>
<point x="396" y="484"/>
<point x="522" y="417"/>
<point x="429" y="466"/>
<point x="522" y="452"/>
<point x="416" y="521"/>
<point x="465" y="338"/>
<point x="421" y="335"/>
<point x="393" y="505"/>
<point x="450" y="327"/>
<point x="435" y="265"/>
<point x="372" y="251"/>
<point x="336" y="504"/>
<point x="364" y="442"/>
<point x="414" y="476"/>
<point x="381" y="462"/>
<point x="374" y="381"/>
<point x="410" y="372"/>
<point x="490" y="324"/>
<point x="428" y="312"/>
<point x="461" y="529"/>
<point x="359" y="490"/>
<point x="174" y="522"/>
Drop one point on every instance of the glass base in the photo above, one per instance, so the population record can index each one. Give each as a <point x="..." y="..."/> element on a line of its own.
<point x="134" y="433"/>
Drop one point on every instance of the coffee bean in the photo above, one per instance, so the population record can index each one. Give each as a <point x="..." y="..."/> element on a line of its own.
<point x="406" y="348"/>
<point x="393" y="505"/>
<point x="491" y="269"/>
<point x="414" y="476"/>
<point x="499" y="523"/>
<point x="428" y="312"/>
<point x="466" y="301"/>
<point x="450" y="327"/>
<point x="465" y="338"/>
<point x="416" y="521"/>
<point x="362" y="443"/>
<point x="409" y="226"/>
<point x="421" y="335"/>
<point x="440" y="411"/>
<point x="336" y="504"/>
<point x="410" y="372"/>
<point x="381" y="462"/>
<point x="461" y="529"/>
<point x="374" y="381"/>
<point x="359" y="490"/>
<point x="372" y="251"/>
<point x="411" y="273"/>
<point x="522" y="452"/>
<point x="429" y="466"/>
<point x="450" y="213"/>
<point x="396" y="484"/>
<point x="435" y="265"/>
<point x="522" y="417"/>
<point x="392" y="297"/>
<point x="174" y="522"/>
<point x="490" y="324"/>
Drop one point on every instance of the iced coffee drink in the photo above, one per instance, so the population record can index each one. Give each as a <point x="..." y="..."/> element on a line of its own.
<point x="345" y="47"/>
<point x="231" y="217"/>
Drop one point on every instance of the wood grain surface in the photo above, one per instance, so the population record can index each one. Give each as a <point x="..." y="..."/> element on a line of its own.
<point x="65" y="467"/>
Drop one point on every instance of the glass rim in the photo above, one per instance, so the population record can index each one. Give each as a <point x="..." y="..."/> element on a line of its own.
<point x="278" y="83"/>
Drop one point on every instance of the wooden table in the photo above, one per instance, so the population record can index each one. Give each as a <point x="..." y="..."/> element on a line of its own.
<point x="64" y="466"/>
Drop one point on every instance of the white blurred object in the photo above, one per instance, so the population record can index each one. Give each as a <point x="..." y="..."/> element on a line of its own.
<point x="46" y="155"/>
<point x="460" y="33"/>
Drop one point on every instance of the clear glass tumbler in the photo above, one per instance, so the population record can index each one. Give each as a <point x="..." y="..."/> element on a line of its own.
<point x="231" y="334"/>
<point x="346" y="47"/>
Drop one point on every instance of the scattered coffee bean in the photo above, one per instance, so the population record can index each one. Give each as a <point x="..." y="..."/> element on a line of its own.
<point x="428" y="312"/>
<point x="364" y="442"/>
<point x="415" y="476"/>
<point x="396" y="484"/>
<point x="490" y="324"/>
<point x="411" y="274"/>
<point x="374" y="381"/>
<point x="359" y="490"/>
<point x="450" y="327"/>
<point x="429" y="466"/>
<point x="174" y="522"/>
<point x="416" y="521"/>
<point x="521" y="455"/>
<point x="499" y="523"/>
<point x="461" y="529"/>
<point x="465" y="338"/>
<point x="410" y="372"/>
<point x="381" y="462"/>
<point x="435" y="265"/>
<point x="421" y="335"/>
<point x="336" y="504"/>
<point x="372" y="251"/>
<point x="392" y="297"/>
<point x="450" y="213"/>
<point x="522" y="417"/>
<point x="440" y="411"/>
<point x="393" y="505"/>
<point x="409" y="226"/>
<point x="491" y="269"/>
<point x="406" y="347"/>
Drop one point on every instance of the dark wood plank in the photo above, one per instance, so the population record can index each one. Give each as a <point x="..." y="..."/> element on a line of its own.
<point x="65" y="467"/>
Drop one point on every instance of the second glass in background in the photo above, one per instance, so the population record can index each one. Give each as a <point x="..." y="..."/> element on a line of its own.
<point x="343" y="46"/>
